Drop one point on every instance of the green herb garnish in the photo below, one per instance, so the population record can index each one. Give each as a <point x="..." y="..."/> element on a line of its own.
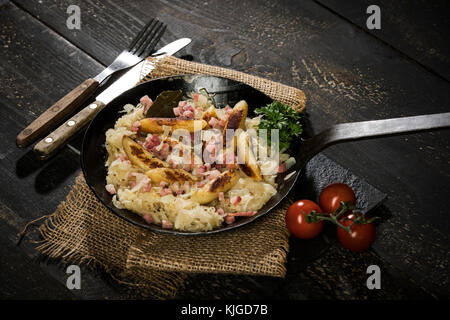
<point x="280" y="116"/>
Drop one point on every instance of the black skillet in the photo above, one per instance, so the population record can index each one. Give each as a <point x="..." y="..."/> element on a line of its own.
<point x="227" y="91"/>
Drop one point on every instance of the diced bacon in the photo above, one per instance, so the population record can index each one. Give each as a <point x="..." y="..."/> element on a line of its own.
<point x="196" y="97"/>
<point x="176" y="111"/>
<point x="242" y="214"/>
<point x="164" y="152"/>
<point x="282" y="167"/>
<point x="201" y="170"/>
<point x="134" y="129"/>
<point x="148" y="218"/>
<point x="110" y="188"/>
<point x="188" y="114"/>
<point x="201" y="183"/>
<point x="167" y="224"/>
<point x="235" y="200"/>
<point x="213" y="174"/>
<point x="221" y="196"/>
<point x="182" y="103"/>
<point x="147" y="188"/>
<point x="222" y="123"/>
<point x="229" y="219"/>
<point x="137" y="124"/>
<point x="228" y="110"/>
<point x="146" y="102"/>
<point x="213" y="122"/>
<point x="133" y="184"/>
<point x="165" y="192"/>
<point x="220" y="211"/>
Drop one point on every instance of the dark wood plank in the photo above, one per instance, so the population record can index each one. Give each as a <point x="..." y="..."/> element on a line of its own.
<point x="347" y="75"/>
<point x="417" y="28"/>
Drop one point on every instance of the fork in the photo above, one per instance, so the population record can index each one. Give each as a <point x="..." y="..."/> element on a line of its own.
<point x="141" y="46"/>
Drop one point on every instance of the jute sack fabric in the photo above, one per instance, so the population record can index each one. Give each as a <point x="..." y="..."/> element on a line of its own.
<point x="83" y="230"/>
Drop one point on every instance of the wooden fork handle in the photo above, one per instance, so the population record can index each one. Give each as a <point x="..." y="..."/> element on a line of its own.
<point x="56" y="113"/>
<point x="48" y="146"/>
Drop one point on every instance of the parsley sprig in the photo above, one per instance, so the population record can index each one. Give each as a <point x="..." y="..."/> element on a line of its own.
<point x="280" y="116"/>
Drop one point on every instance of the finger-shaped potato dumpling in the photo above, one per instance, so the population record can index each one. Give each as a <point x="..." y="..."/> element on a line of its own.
<point x="236" y="119"/>
<point x="156" y="125"/>
<point x="222" y="183"/>
<point x="139" y="156"/>
<point x="170" y="175"/>
<point x="246" y="158"/>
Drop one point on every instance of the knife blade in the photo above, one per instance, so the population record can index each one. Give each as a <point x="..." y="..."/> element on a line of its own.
<point x="59" y="137"/>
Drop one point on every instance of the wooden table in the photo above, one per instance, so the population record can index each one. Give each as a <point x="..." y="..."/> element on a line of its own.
<point x="349" y="73"/>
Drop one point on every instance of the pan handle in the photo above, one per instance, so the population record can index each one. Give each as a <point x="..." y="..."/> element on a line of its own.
<point x="370" y="129"/>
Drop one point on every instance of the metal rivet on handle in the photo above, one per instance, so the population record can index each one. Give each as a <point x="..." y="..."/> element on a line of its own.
<point x="92" y="106"/>
<point x="48" y="140"/>
<point x="70" y="123"/>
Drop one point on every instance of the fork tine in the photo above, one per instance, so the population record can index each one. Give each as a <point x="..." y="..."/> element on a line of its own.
<point x="152" y="40"/>
<point x="154" y="24"/>
<point x="140" y="34"/>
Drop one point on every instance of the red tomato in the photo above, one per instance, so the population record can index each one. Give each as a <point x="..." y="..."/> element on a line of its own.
<point x="361" y="237"/>
<point x="296" y="220"/>
<point x="332" y="195"/>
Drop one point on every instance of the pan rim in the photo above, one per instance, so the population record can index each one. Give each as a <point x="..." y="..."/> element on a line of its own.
<point x="174" y="232"/>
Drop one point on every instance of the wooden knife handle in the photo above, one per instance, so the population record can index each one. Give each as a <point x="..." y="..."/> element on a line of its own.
<point x="58" y="138"/>
<point x="56" y="113"/>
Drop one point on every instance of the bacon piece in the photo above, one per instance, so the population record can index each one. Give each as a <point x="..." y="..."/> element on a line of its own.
<point x="221" y="196"/>
<point x="213" y="122"/>
<point x="148" y="218"/>
<point x="196" y="97"/>
<point x="282" y="168"/>
<point x="229" y="219"/>
<point x="188" y="114"/>
<point x="220" y="211"/>
<point x="146" y="102"/>
<point x="242" y="214"/>
<point x="165" y="192"/>
<point x="167" y="224"/>
<point x="110" y="188"/>
<point x="235" y="200"/>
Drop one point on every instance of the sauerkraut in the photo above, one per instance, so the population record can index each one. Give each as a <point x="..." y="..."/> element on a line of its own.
<point x="169" y="202"/>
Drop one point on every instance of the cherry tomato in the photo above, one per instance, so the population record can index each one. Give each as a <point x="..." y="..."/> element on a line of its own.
<point x="331" y="196"/>
<point x="296" y="220"/>
<point x="361" y="237"/>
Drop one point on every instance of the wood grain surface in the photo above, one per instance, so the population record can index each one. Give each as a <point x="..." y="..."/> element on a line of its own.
<point x="60" y="110"/>
<point x="322" y="47"/>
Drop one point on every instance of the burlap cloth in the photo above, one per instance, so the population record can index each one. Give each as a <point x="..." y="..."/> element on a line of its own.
<point x="83" y="230"/>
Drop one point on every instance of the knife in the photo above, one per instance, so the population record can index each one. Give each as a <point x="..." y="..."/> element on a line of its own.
<point x="58" y="138"/>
